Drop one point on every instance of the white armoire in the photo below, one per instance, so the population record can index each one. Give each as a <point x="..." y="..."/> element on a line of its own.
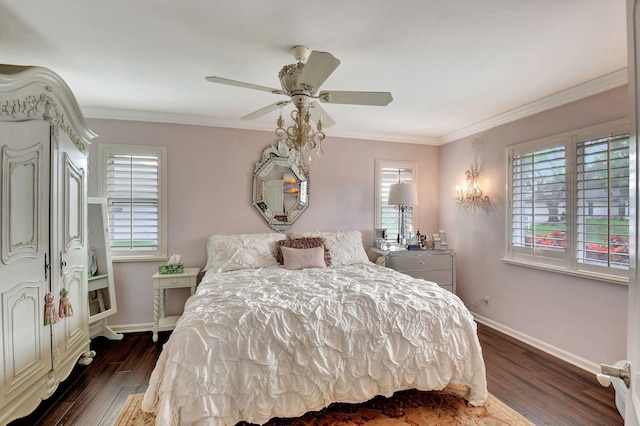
<point x="43" y="237"/>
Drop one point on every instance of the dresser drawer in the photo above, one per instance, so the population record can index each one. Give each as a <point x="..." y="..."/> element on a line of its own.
<point x="419" y="262"/>
<point x="438" y="266"/>
<point x="442" y="278"/>
<point x="448" y="287"/>
<point x="176" y="281"/>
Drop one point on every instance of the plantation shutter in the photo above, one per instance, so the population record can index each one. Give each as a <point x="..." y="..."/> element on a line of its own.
<point x="569" y="202"/>
<point x="132" y="199"/>
<point x="603" y="202"/>
<point x="538" y="195"/>
<point x="390" y="215"/>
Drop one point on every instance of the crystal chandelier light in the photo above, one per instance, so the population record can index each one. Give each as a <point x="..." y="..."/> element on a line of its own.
<point x="301" y="134"/>
<point x="470" y="195"/>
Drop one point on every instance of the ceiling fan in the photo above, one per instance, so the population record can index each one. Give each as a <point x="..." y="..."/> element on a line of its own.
<point x="301" y="82"/>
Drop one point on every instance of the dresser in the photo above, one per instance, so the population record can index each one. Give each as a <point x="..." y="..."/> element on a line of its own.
<point x="438" y="266"/>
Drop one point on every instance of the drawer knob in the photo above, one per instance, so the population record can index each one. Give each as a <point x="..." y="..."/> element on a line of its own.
<point x="174" y="281"/>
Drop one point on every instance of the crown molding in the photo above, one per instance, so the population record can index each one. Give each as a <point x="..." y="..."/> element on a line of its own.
<point x="592" y="87"/>
<point x="199" y="120"/>
<point x="581" y="91"/>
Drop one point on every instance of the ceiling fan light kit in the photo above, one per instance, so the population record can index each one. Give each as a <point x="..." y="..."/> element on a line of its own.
<point x="301" y="135"/>
<point x="301" y="81"/>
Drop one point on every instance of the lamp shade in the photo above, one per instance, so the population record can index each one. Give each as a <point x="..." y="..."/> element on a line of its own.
<point x="403" y="194"/>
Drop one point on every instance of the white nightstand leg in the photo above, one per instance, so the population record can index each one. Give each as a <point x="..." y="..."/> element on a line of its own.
<point x="163" y="302"/>
<point x="156" y="312"/>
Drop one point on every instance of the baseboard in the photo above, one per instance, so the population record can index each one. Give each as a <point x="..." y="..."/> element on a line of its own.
<point x="573" y="359"/>
<point x="132" y="328"/>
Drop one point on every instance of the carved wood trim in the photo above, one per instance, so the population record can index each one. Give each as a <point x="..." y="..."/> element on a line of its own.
<point x="74" y="206"/>
<point x="24" y="298"/>
<point x="75" y="328"/>
<point x="44" y="107"/>
<point x="15" y="219"/>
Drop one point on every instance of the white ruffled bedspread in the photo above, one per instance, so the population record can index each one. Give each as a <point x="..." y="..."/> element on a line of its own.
<point x="254" y="344"/>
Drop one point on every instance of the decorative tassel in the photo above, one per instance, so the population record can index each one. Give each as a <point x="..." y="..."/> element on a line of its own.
<point x="50" y="315"/>
<point x="66" y="310"/>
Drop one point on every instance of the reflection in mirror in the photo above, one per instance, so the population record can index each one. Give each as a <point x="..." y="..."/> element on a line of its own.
<point x="101" y="287"/>
<point x="280" y="186"/>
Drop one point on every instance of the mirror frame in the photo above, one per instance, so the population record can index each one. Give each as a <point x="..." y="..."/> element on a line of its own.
<point x="289" y="160"/>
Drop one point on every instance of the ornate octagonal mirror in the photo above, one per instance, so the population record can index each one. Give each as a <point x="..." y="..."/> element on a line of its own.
<point x="280" y="186"/>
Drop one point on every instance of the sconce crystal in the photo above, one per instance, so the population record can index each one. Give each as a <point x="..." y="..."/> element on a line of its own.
<point x="470" y="195"/>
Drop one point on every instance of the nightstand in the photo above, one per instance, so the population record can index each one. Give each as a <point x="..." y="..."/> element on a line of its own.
<point x="161" y="282"/>
<point x="438" y="266"/>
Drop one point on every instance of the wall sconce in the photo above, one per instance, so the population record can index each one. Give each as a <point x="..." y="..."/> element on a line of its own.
<point x="470" y="195"/>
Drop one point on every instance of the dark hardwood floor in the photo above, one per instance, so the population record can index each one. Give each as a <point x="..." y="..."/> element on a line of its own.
<point x="544" y="389"/>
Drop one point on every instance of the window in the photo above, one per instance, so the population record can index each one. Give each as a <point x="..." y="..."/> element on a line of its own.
<point x="133" y="182"/>
<point x="603" y="202"/>
<point x="569" y="202"/>
<point x="388" y="217"/>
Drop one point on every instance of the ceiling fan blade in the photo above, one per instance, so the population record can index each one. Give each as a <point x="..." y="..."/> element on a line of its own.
<point x="228" y="81"/>
<point x="318" y="68"/>
<point x="318" y="113"/>
<point x="264" y="111"/>
<point x="355" y="98"/>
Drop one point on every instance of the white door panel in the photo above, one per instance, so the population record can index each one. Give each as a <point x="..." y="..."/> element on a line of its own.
<point x="25" y="346"/>
<point x="71" y="333"/>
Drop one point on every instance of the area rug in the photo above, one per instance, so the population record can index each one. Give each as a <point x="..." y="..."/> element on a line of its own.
<point x="412" y="407"/>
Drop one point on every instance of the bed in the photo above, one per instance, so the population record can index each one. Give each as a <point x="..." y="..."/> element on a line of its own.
<point x="260" y="340"/>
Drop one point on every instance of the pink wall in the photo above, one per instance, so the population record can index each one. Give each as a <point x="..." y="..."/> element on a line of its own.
<point x="584" y="318"/>
<point x="210" y="178"/>
<point x="210" y="172"/>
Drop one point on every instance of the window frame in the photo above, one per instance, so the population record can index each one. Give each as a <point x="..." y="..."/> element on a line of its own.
<point x="133" y="255"/>
<point x="393" y="164"/>
<point x="566" y="262"/>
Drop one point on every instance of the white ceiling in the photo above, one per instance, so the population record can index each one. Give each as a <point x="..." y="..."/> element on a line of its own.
<point x="452" y="66"/>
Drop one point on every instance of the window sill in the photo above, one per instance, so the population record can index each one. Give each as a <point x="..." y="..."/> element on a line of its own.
<point x="613" y="279"/>
<point x="122" y="259"/>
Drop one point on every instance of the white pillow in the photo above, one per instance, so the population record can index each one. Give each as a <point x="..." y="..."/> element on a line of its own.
<point x="242" y="251"/>
<point x="345" y="247"/>
<point x="295" y="258"/>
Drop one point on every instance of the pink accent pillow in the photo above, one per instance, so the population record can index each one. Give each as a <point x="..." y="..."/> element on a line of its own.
<point x="295" y="258"/>
<point x="345" y="246"/>
<point x="300" y="243"/>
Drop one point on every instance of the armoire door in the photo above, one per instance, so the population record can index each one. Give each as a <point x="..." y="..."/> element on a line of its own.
<point x="69" y="247"/>
<point x="25" y="349"/>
